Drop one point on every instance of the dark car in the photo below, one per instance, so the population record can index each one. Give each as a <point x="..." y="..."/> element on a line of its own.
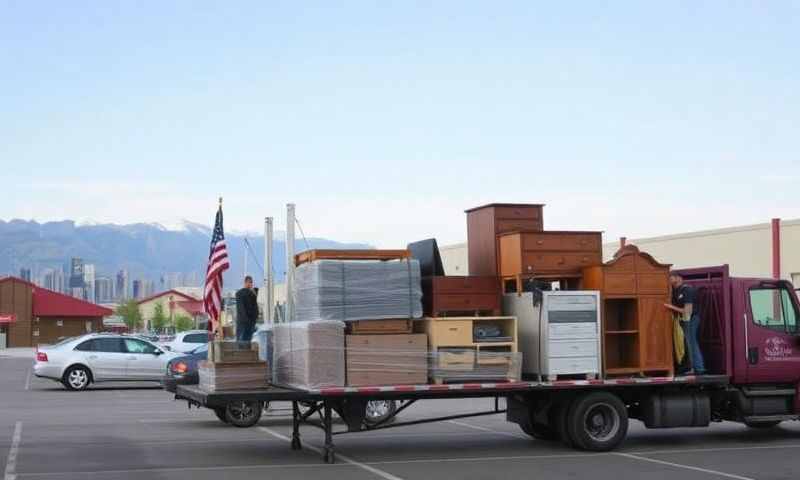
<point x="184" y="370"/>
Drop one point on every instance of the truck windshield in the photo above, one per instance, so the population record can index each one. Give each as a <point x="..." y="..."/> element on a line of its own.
<point x="773" y="308"/>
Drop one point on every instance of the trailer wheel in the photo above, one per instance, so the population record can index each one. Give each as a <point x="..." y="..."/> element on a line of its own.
<point x="243" y="413"/>
<point x="597" y="422"/>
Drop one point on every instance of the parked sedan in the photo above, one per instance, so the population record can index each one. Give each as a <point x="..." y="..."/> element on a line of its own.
<point x="80" y="361"/>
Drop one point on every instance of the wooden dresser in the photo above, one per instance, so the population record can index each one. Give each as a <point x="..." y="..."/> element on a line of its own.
<point x="637" y="328"/>
<point x="486" y="222"/>
<point x="460" y="295"/>
<point x="551" y="254"/>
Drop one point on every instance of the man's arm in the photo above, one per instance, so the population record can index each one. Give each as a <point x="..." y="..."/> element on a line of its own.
<point x="252" y="307"/>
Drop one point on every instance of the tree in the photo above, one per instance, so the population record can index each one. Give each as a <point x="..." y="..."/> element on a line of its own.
<point x="129" y="311"/>
<point x="159" y="320"/>
<point x="183" y="323"/>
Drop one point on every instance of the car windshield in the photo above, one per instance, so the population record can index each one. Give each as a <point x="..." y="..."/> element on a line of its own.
<point x="63" y="341"/>
<point x="201" y="349"/>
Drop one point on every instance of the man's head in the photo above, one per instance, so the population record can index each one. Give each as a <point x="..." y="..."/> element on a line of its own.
<point x="248" y="282"/>
<point x="675" y="279"/>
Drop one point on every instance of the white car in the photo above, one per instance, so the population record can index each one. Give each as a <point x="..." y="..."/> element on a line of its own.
<point x="100" y="357"/>
<point x="187" y="341"/>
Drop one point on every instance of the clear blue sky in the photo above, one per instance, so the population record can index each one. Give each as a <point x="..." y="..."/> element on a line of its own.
<point x="384" y="120"/>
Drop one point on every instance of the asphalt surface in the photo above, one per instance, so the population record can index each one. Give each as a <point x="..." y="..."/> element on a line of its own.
<point x="125" y="431"/>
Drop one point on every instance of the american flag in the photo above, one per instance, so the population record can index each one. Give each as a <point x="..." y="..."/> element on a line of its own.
<point x="217" y="263"/>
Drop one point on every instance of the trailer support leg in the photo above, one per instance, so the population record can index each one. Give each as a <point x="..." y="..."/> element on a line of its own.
<point x="330" y="456"/>
<point x="296" y="445"/>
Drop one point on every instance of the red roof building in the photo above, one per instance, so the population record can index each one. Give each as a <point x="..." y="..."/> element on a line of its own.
<point x="31" y="315"/>
<point x="173" y="304"/>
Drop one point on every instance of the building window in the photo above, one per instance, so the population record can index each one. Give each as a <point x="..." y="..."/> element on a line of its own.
<point x="60" y="323"/>
<point x="36" y="333"/>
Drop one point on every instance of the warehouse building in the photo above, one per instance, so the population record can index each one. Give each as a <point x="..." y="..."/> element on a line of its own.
<point x="759" y="250"/>
<point x="31" y="315"/>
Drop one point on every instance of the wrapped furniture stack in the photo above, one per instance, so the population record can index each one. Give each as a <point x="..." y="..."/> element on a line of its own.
<point x="309" y="355"/>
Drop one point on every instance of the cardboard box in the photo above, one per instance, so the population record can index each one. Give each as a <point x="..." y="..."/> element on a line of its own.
<point x="386" y="359"/>
<point x="309" y="355"/>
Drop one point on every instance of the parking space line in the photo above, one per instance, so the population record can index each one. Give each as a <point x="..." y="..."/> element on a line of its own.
<point x="713" y="449"/>
<point x="177" y="469"/>
<point x="11" y="463"/>
<point x="376" y="471"/>
<point x="686" y="467"/>
<point x="485" y="429"/>
<point x="28" y="380"/>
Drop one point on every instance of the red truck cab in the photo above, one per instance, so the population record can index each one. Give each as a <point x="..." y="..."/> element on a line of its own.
<point x="749" y="332"/>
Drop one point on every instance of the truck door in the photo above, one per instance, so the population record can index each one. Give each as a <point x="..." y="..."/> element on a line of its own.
<point x="771" y="333"/>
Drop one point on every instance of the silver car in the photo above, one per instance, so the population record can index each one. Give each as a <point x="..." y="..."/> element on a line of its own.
<point x="79" y="361"/>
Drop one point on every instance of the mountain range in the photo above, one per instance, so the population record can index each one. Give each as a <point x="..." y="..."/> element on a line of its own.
<point x="145" y="250"/>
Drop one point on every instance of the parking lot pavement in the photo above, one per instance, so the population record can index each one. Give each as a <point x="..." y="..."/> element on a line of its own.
<point x="128" y="431"/>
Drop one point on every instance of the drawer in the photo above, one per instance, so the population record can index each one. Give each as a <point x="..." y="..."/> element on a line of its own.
<point x="465" y="284"/>
<point x="513" y="213"/>
<point x="579" y="242"/>
<point x="567" y="366"/>
<point x="571" y="348"/>
<point x="619" y="284"/>
<point x="502" y="225"/>
<point x="451" y="333"/>
<point x="466" y="302"/>
<point x="570" y="331"/>
<point x="558" y="262"/>
<point x="455" y="359"/>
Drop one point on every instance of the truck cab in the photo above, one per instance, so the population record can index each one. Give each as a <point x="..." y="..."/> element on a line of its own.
<point x="749" y="332"/>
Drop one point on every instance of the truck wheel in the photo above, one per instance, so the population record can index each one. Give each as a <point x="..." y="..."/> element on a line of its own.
<point x="243" y="413"/>
<point x="538" y="431"/>
<point x="763" y="425"/>
<point x="597" y="422"/>
<point x="220" y="413"/>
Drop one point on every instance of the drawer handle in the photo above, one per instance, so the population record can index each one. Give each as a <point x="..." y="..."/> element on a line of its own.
<point x="539" y="242"/>
<point x="453" y="329"/>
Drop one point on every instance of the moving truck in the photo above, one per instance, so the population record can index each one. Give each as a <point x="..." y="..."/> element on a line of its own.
<point x="749" y="337"/>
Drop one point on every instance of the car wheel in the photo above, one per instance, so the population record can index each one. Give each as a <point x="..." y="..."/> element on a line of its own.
<point x="763" y="425"/>
<point x="220" y="413"/>
<point x="379" y="411"/>
<point x="597" y="422"/>
<point x="243" y="413"/>
<point x="77" y="378"/>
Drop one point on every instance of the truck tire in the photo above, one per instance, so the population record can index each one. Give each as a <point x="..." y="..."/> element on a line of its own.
<point x="243" y="413"/>
<point x="558" y="422"/>
<point x="597" y="422"/>
<point x="763" y="425"/>
<point x="538" y="431"/>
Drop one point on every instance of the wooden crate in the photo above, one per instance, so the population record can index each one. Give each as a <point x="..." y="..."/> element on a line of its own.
<point x="377" y="327"/>
<point x="232" y="352"/>
<point x="233" y="376"/>
<point x="361" y="254"/>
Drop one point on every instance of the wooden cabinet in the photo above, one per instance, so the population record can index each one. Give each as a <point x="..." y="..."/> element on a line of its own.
<point x="459" y="355"/>
<point x="552" y="254"/>
<point x="486" y="222"/>
<point x="637" y="328"/>
<point x="454" y="295"/>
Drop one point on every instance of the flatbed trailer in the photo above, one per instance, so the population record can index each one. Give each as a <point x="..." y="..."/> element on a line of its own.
<point x="587" y="414"/>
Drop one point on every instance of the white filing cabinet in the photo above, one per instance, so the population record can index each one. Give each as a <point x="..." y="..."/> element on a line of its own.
<point x="561" y="336"/>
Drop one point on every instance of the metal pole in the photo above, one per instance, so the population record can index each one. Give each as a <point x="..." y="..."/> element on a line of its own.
<point x="290" y="262"/>
<point x="245" y="256"/>
<point x="776" y="248"/>
<point x="269" y="282"/>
